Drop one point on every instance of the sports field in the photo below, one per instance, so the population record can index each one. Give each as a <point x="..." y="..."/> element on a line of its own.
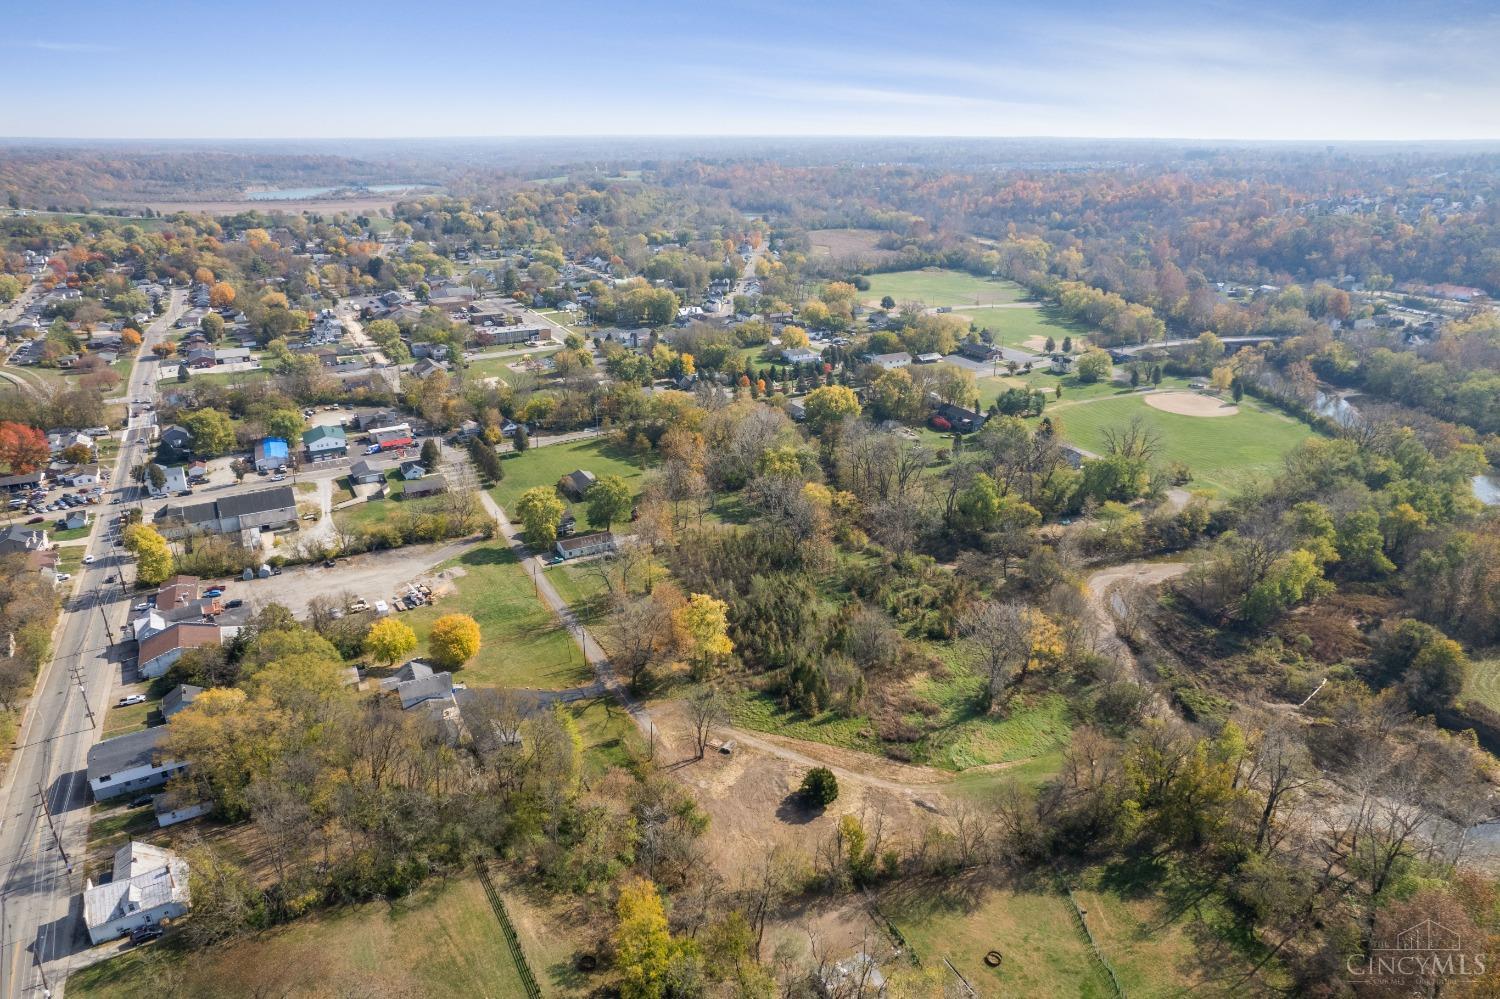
<point x="935" y="286"/>
<point x="1027" y="326"/>
<point x="1225" y="453"/>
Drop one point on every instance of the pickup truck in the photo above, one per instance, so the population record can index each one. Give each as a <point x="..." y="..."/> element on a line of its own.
<point x="356" y="606"/>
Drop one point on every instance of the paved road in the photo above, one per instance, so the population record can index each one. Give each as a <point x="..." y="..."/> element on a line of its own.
<point x="40" y="901"/>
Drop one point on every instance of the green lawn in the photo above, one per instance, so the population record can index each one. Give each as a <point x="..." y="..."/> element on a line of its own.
<point x="441" y="941"/>
<point x="228" y="377"/>
<point x="1225" y="453"/>
<point x="72" y="535"/>
<point x="934" y="286"/>
<point x="499" y="367"/>
<point x="1044" y="952"/>
<point x="523" y="644"/>
<point x="543" y="466"/>
<point x="1484" y="683"/>
<point x="375" y="510"/>
<point x="1013" y="327"/>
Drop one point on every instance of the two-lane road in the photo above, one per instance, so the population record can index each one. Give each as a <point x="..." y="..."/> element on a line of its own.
<point x="40" y="904"/>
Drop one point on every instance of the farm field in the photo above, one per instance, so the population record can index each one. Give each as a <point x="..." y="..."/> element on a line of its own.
<point x="1225" y="453"/>
<point x="934" y="286"/>
<point x="524" y="645"/>
<point x="443" y="940"/>
<point x="1014" y="327"/>
<point x="842" y="243"/>
<point x="543" y="466"/>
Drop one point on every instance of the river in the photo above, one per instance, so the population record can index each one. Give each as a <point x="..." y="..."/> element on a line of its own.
<point x="303" y="193"/>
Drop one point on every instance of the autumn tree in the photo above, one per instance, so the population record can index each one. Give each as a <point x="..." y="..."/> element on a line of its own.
<point x="23" y="448"/>
<point x="453" y="640"/>
<point x="389" y="640"/>
<point x="540" y="511"/>
<point x="703" y="627"/>
<point x="221" y="296"/>
<point x="154" y="562"/>
<point x="828" y="406"/>
<point x="1095" y="366"/>
<point x="609" y="501"/>
<point x="211" y="430"/>
<point x="644" y="949"/>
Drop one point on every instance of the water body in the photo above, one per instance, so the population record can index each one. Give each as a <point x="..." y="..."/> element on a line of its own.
<point x="1487" y="489"/>
<point x="303" y="193"/>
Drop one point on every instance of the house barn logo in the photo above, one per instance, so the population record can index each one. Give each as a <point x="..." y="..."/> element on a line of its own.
<point x="1425" y="953"/>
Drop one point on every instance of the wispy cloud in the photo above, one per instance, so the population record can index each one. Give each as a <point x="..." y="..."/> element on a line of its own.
<point x="45" y="46"/>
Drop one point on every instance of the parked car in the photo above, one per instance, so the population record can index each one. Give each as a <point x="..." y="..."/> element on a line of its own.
<point x="130" y="699"/>
<point x="141" y="606"/>
<point x="88" y="560"/>
<point x="215" y="592"/>
<point x="235" y="603"/>
<point x="63" y="577"/>
<point x="145" y="934"/>
<point x="381" y="607"/>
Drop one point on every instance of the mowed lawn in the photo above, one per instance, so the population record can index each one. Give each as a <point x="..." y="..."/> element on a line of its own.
<point x="1014" y="327"/>
<point x="543" y="466"/>
<point x="523" y="644"/>
<point x="934" y="286"/>
<point x="1484" y="683"/>
<point x="1225" y="453"/>
<point x="1042" y="949"/>
<point x="442" y="941"/>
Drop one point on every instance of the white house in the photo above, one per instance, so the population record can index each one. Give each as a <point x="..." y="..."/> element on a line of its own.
<point x="149" y="885"/>
<point x="130" y="763"/>
<point x="890" y="362"/>
<point x="325" y="442"/>
<point x="585" y="544"/>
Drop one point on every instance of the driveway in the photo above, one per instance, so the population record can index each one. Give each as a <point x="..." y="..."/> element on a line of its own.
<point x="375" y="576"/>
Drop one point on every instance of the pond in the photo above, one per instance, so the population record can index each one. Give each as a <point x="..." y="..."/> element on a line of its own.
<point x="1487" y="489"/>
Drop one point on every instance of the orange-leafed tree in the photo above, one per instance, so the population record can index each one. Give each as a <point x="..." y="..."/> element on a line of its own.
<point x="221" y="295"/>
<point x="23" y="448"/>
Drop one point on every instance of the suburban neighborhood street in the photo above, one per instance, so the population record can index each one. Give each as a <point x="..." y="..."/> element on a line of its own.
<point x="43" y="873"/>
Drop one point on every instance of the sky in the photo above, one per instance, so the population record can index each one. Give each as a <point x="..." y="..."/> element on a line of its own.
<point x="1277" y="69"/>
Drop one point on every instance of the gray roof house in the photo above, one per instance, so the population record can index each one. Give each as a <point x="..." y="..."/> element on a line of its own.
<point x="363" y="473"/>
<point x="178" y="698"/>
<point x="416" y="683"/>
<point x="130" y="763"/>
<point x="428" y="485"/>
<point x="148" y="885"/>
<point x="18" y="539"/>
<point x="585" y="544"/>
<point x="576" y="483"/>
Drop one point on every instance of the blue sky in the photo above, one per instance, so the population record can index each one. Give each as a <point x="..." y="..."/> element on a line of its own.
<point x="1273" y="70"/>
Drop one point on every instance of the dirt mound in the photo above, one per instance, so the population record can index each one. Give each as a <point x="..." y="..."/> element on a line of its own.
<point x="1190" y="404"/>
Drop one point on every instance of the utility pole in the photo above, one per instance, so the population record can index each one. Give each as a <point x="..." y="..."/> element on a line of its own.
<point x="83" y="693"/>
<point x="46" y="810"/>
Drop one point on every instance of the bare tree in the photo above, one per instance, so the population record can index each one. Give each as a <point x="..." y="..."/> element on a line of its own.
<point x="707" y="709"/>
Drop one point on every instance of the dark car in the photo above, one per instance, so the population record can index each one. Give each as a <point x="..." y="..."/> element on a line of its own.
<point x="328" y="563"/>
<point x="36" y="520"/>
<point x="144" y="799"/>
<point x="145" y="934"/>
<point x="235" y="603"/>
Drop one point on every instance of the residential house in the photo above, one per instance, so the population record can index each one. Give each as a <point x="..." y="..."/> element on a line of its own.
<point x="425" y="368"/>
<point x="271" y="454"/>
<point x="199" y="358"/>
<point x="431" y="485"/>
<point x="956" y="418"/>
<point x="430" y="351"/>
<point x="232" y="355"/>
<point x="416" y="683"/>
<point x="148" y="886"/>
<point x="158" y="652"/>
<point x="19" y="539"/>
<point x="796" y="409"/>
<point x="325" y="443"/>
<point x="82" y="475"/>
<point x="151" y="622"/>
<point x="197" y="470"/>
<point x="177" y="591"/>
<point x="73" y="521"/>
<point x="585" y="544"/>
<point x="891" y="362"/>
<point x="576" y="483"/>
<point x="362" y="473"/>
<point x="976" y="350"/>
<point x="800" y="355"/>
<point x="128" y="764"/>
<point x="1062" y="364"/>
<point x="175" y="481"/>
<point x="932" y="358"/>
<point x="179" y="697"/>
<point x="178" y="805"/>
<point x="412" y="470"/>
<point x="175" y="438"/>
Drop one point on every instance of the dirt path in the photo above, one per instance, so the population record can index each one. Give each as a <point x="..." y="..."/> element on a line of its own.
<point x="1105" y="601"/>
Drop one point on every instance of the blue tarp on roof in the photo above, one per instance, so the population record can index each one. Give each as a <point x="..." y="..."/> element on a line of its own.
<point x="274" y="447"/>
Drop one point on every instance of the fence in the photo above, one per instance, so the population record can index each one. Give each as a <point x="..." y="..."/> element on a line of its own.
<point x="1083" y="924"/>
<point x="528" y="980"/>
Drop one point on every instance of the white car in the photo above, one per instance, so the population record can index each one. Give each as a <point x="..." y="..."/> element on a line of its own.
<point x="88" y="560"/>
<point x="141" y="606"/>
<point x="381" y="607"/>
<point x="130" y="699"/>
<point x="63" y="577"/>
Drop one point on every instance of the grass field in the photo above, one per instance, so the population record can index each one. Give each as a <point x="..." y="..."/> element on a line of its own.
<point x="543" y="466"/>
<point x="1044" y="952"/>
<point x="374" y="511"/>
<point x="499" y="367"/>
<point x="523" y="644"/>
<point x="1484" y="683"/>
<point x="934" y="286"/>
<point x="443" y="941"/>
<point x="1225" y="453"/>
<point x="1013" y="327"/>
